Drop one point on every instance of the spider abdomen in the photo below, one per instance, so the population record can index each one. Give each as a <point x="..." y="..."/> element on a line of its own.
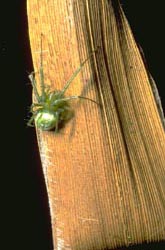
<point x="46" y="120"/>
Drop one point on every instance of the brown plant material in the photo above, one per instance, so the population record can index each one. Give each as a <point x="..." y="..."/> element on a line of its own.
<point x="104" y="170"/>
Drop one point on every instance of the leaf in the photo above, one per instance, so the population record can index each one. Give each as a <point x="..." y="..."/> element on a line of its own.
<point x="105" y="181"/>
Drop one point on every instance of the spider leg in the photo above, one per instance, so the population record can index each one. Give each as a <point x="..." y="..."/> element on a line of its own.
<point x="74" y="97"/>
<point x="41" y="72"/>
<point x="75" y="74"/>
<point x="56" y="127"/>
<point x="30" y="122"/>
<point x="33" y="83"/>
<point x="42" y="81"/>
<point x="89" y="99"/>
<point x="36" y="105"/>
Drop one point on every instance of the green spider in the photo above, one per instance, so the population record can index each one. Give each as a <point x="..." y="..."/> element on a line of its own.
<point x="52" y="108"/>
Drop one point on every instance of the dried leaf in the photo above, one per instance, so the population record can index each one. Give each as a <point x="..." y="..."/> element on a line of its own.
<point x="105" y="181"/>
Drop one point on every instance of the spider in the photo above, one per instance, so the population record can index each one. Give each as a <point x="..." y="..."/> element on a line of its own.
<point x="52" y="107"/>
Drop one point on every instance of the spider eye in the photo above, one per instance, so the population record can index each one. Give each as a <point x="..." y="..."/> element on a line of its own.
<point x="46" y="120"/>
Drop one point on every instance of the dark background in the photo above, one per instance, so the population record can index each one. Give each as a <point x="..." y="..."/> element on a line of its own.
<point x="25" y="221"/>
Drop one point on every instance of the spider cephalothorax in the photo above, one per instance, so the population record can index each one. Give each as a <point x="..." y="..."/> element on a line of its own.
<point x="51" y="108"/>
